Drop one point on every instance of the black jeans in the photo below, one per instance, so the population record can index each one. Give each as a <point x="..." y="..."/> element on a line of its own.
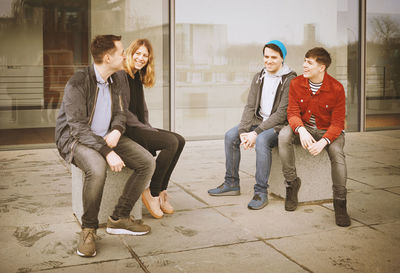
<point x="170" y="146"/>
<point x="94" y="166"/>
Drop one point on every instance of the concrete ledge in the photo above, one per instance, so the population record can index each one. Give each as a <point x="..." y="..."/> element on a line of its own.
<point x="314" y="172"/>
<point x="113" y="188"/>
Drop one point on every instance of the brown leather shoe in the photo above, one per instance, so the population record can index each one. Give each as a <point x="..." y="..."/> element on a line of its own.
<point x="87" y="245"/>
<point x="166" y="207"/>
<point x="152" y="204"/>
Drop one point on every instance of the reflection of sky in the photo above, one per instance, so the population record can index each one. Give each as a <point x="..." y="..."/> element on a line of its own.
<point x="255" y="21"/>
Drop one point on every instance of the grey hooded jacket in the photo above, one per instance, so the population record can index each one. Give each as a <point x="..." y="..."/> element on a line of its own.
<point x="278" y="117"/>
<point x="77" y="109"/>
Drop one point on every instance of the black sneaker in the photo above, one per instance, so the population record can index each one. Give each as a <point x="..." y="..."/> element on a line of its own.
<point x="292" y="189"/>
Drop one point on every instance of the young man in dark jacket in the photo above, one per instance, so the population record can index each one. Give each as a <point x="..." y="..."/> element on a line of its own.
<point x="316" y="113"/>
<point x="263" y="117"/>
<point x="89" y="132"/>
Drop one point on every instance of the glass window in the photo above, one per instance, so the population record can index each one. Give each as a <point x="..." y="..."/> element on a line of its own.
<point x="133" y="20"/>
<point x="219" y="49"/>
<point x="45" y="42"/>
<point x="42" y="45"/>
<point x="383" y="65"/>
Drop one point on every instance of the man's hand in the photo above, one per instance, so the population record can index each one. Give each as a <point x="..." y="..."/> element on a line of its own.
<point x="243" y="140"/>
<point x="306" y="138"/>
<point x="248" y="140"/>
<point x="115" y="162"/>
<point x="112" y="138"/>
<point x="317" y="147"/>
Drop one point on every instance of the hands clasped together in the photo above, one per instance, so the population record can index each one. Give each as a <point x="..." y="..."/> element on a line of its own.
<point x="248" y="140"/>
<point x="309" y="143"/>
<point x="113" y="159"/>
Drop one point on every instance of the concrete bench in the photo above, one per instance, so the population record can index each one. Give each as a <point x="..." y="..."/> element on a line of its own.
<point x="314" y="172"/>
<point x="113" y="188"/>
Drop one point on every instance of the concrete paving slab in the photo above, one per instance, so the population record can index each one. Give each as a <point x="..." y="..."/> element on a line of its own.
<point x="388" y="156"/>
<point x="35" y="181"/>
<point x="199" y="190"/>
<point x="378" y="176"/>
<point x="274" y="222"/>
<point x="187" y="230"/>
<point x="23" y="209"/>
<point x="181" y="200"/>
<point x="360" y="142"/>
<point x="29" y="158"/>
<point x="358" y="249"/>
<point x="198" y="171"/>
<point x="390" y="133"/>
<point x="395" y="190"/>
<point x="254" y="257"/>
<point x="39" y="247"/>
<point x="371" y="206"/>
<point x="391" y="230"/>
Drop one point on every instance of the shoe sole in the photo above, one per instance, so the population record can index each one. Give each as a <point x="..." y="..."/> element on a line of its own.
<point x="149" y="209"/>
<point x="84" y="255"/>
<point x="228" y="193"/>
<point x="121" y="231"/>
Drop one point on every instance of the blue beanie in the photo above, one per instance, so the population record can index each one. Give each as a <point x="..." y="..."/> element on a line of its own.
<point x="280" y="45"/>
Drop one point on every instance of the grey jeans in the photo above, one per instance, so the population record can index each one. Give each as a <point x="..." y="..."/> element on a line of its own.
<point x="335" y="152"/>
<point x="94" y="166"/>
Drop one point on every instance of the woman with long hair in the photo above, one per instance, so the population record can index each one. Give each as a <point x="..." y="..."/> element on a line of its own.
<point x="139" y="66"/>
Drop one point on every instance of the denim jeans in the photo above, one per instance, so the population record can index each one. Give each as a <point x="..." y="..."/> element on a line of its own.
<point x="94" y="166"/>
<point x="264" y="144"/>
<point x="169" y="144"/>
<point x="335" y="152"/>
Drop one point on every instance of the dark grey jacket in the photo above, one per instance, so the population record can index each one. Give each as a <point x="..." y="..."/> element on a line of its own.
<point x="77" y="109"/>
<point x="251" y="113"/>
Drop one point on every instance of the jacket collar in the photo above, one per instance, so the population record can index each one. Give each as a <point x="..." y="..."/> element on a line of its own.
<point x="326" y="83"/>
<point x="92" y="75"/>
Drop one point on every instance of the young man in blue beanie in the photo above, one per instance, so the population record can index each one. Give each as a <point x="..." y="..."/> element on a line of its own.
<point x="263" y="117"/>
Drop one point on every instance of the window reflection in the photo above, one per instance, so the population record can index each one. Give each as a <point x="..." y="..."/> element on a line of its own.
<point x="383" y="65"/>
<point x="217" y="54"/>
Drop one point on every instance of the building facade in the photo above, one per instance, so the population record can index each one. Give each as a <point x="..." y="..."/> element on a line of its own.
<point x="206" y="53"/>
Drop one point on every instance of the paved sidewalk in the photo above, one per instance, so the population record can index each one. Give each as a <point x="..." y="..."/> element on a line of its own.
<point x="208" y="234"/>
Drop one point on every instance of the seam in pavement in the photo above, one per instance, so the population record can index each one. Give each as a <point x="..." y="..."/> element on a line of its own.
<point x="135" y="256"/>
<point x="191" y="194"/>
<point x="76" y="265"/>
<point x="287" y="256"/>
<point x="201" y="248"/>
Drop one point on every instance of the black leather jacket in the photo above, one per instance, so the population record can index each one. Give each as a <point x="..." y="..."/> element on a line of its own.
<point x="77" y="109"/>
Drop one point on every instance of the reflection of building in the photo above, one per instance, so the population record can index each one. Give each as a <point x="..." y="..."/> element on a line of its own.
<point x="214" y="55"/>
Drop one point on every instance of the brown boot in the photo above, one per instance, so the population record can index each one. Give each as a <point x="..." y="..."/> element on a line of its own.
<point x="166" y="207"/>
<point x="152" y="204"/>
<point x="292" y="190"/>
<point x="87" y="245"/>
<point x="341" y="216"/>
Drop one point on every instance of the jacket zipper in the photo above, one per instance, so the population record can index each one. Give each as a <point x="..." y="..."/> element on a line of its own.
<point x="94" y="107"/>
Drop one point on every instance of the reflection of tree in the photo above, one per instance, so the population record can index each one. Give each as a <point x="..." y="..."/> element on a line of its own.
<point x="385" y="29"/>
<point x="386" y="49"/>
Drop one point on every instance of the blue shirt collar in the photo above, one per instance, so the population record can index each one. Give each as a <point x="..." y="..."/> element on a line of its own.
<point x="99" y="79"/>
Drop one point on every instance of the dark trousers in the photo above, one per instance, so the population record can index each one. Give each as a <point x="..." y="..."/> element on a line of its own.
<point x="169" y="144"/>
<point x="335" y="152"/>
<point x="94" y="166"/>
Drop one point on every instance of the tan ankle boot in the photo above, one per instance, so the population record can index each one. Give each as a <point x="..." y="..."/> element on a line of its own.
<point x="152" y="204"/>
<point x="165" y="205"/>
